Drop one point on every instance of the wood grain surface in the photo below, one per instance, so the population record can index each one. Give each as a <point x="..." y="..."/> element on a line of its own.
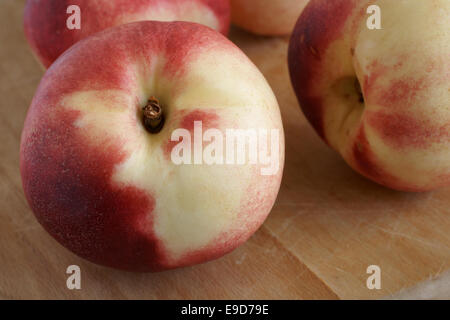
<point x="328" y="224"/>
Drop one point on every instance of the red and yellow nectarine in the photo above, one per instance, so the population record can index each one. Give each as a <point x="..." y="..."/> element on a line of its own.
<point x="380" y="97"/>
<point x="105" y="187"/>
<point x="47" y="32"/>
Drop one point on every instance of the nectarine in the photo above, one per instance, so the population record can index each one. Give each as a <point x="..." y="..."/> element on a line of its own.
<point x="380" y="97"/>
<point x="47" y="32"/>
<point x="98" y="142"/>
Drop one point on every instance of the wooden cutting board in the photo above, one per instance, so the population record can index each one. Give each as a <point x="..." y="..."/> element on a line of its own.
<point x="328" y="224"/>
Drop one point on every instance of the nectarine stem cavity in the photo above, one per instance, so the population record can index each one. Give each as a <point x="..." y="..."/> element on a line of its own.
<point x="153" y="116"/>
<point x="359" y="91"/>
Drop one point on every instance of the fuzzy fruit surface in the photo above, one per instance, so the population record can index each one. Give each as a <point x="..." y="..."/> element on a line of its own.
<point x="105" y="187"/>
<point x="267" y="17"/>
<point x="45" y="21"/>
<point x="380" y="98"/>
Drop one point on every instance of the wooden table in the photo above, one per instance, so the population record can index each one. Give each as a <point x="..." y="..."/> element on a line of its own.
<point x="328" y="225"/>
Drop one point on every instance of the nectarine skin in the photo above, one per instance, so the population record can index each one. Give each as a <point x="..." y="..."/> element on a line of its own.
<point x="106" y="188"/>
<point x="46" y="30"/>
<point x="267" y="17"/>
<point x="378" y="97"/>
